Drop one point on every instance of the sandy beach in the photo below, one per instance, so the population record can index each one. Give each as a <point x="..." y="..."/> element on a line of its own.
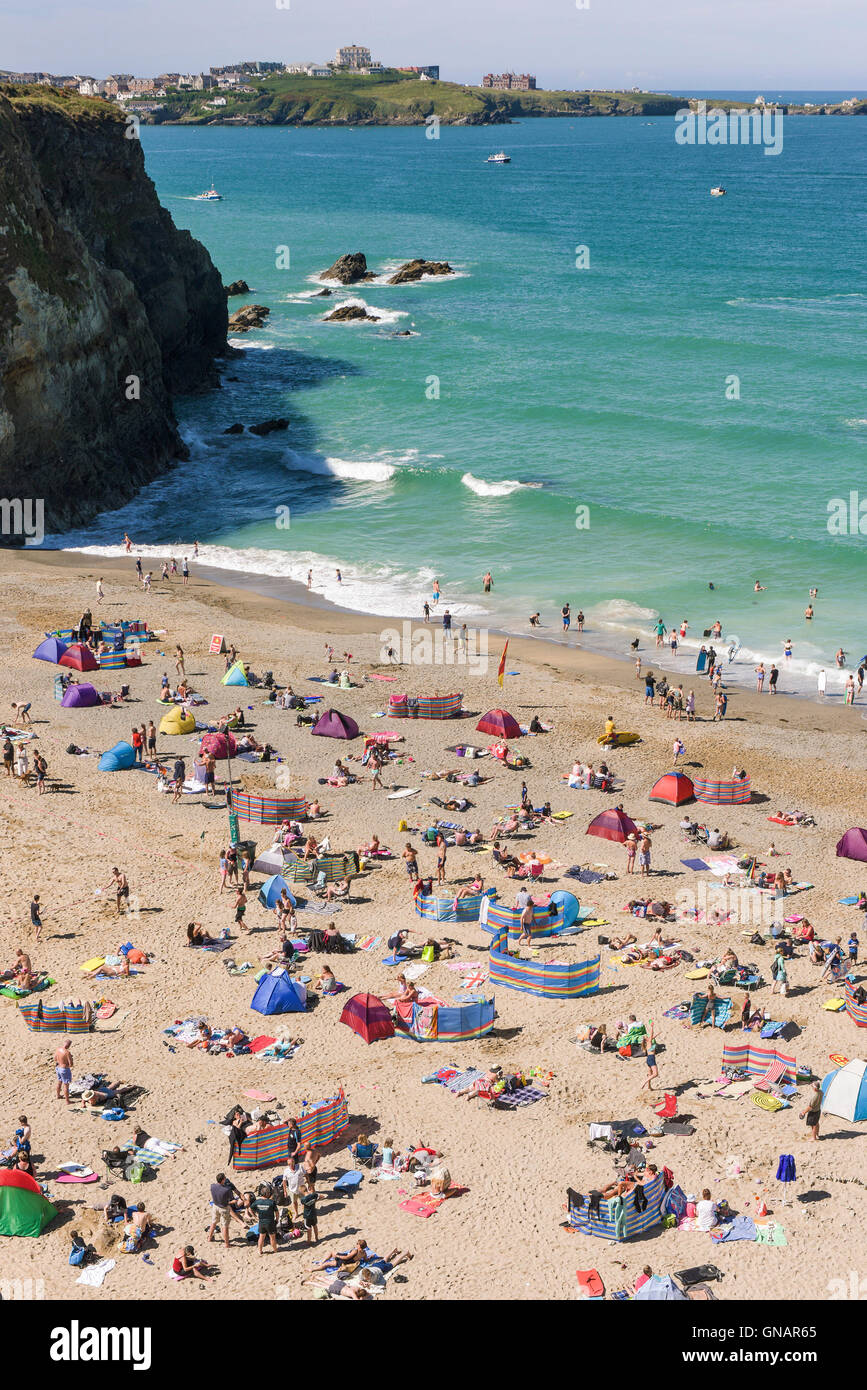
<point x="502" y="1237"/>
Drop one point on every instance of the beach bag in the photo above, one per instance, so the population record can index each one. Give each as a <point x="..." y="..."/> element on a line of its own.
<point x="429" y="954"/>
<point x="78" y="1254"/>
<point x="115" y="1114"/>
<point x="135" y="1172"/>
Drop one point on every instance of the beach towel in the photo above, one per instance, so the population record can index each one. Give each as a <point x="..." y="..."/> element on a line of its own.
<point x="701" y="1274"/>
<point x="423" y="1206"/>
<point x="258" y="1095"/>
<point x="717" y="1015"/>
<point x="742" y="1228"/>
<point x="94" y="1275"/>
<point x="771" y="1234"/>
<point x="697" y="864"/>
<point x="849" y="902"/>
<point x="259" y="1044"/>
<point x="590" y="1283"/>
<point x="525" y="1095"/>
<point x="835" y="1005"/>
<point x="584" y="875"/>
<point x="367" y="943"/>
<point x="461" y="1082"/>
<point x="416" y="970"/>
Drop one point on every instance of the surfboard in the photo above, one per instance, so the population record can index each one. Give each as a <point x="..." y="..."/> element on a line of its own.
<point x="405" y="791"/>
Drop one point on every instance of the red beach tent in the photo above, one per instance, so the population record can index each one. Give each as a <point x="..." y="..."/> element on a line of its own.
<point x="367" y="1016"/>
<point x="499" y="723"/>
<point x="79" y="657"/>
<point x="674" y="789"/>
<point x="612" y="825"/>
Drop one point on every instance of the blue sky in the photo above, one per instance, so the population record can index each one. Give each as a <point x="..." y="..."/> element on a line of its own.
<point x="669" y="45"/>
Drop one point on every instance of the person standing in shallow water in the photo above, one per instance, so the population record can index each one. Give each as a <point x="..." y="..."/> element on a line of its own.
<point x="488" y="582"/>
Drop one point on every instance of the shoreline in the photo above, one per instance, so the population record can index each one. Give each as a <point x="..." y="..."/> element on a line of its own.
<point x="258" y="596"/>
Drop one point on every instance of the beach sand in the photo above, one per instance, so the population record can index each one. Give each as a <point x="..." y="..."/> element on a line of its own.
<point x="503" y="1237"/>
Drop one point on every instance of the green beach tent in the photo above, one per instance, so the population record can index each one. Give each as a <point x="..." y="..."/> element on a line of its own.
<point x="235" y="675"/>
<point x="23" y="1209"/>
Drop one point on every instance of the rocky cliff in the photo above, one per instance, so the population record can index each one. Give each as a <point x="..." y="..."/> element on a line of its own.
<point x="106" y="310"/>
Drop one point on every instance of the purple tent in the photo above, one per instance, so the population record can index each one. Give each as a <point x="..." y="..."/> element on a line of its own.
<point x="853" y="845"/>
<point x="80" y="696"/>
<point x="333" y="724"/>
<point x="51" y="649"/>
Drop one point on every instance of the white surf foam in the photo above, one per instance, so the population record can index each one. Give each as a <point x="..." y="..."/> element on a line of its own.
<point x="384" y="316"/>
<point x="504" y="488"/>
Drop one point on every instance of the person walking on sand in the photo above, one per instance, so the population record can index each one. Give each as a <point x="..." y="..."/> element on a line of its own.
<point x="813" y="1112"/>
<point x="566" y="615"/>
<point x="120" y="884"/>
<point x="185" y="572"/>
<point x="441" y="859"/>
<point x="179" y="662"/>
<point x="100" y="591"/>
<point x="240" y="908"/>
<point x="772" y="679"/>
<point x="127" y="543"/>
<point x="652" y="1068"/>
<point x="152" y="739"/>
<point x="36" y="915"/>
<point x="63" y="1069"/>
<point x="760" y="677"/>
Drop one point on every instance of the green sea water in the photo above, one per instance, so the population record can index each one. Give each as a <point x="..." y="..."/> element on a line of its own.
<point x="629" y="390"/>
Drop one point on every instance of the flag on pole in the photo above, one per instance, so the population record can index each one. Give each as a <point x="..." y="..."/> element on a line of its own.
<point x="502" y="669"/>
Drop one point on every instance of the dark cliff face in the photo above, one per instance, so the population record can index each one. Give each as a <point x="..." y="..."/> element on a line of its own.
<point x="106" y="310"/>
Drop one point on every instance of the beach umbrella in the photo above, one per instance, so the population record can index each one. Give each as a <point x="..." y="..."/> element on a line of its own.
<point x="674" y="788"/>
<point x="500" y="724"/>
<point x="612" y="825"/>
<point x="219" y="745"/>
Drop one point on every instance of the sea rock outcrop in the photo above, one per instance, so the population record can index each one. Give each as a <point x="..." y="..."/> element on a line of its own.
<point x="350" y="269"/>
<point x="415" y="270"/>
<point x="269" y="426"/>
<point x="251" y="316"/>
<point x="236" y="287"/>
<point x="348" y="313"/>
<point x="106" y="309"/>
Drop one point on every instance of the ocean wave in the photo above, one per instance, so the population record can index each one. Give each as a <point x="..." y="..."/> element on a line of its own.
<point x="251" y="343"/>
<point x="825" y="303"/>
<point x="379" y="469"/>
<point x="621" y="612"/>
<point x="504" y="488"/>
<point x="855" y="424"/>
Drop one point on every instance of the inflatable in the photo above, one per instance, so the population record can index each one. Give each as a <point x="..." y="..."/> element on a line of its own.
<point x="425" y="706"/>
<point x="621" y="740"/>
<point x="532" y="977"/>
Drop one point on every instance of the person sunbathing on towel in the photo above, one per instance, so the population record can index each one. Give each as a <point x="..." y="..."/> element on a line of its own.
<point x="107" y="1092"/>
<point x="204" y="1039"/>
<point x="337" y="890"/>
<point x="197" y="936"/>
<point x="235" y="1037"/>
<point x="22" y="970"/>
<point x="113" y="970"/>
<point x="620" y="943"/>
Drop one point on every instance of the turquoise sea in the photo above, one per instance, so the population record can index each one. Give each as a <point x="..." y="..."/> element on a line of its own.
<point x="531" y="387"/>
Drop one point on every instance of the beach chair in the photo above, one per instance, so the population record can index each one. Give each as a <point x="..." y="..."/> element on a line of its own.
<point x="364" y="1154"/>
<point x="668" y="1109"/>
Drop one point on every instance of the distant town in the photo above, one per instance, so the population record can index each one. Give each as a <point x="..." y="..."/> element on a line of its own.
<point x="156" y="98"/>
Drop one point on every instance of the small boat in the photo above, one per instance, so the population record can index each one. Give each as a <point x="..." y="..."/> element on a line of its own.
<point x="718" y="192"/>
<point x="499" y="158"/>
<point x="209" y="196"/>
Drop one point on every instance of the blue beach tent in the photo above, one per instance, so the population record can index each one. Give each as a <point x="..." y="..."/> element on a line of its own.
<point x="279" y="994"/>
<point x="118" y="758"/>
<point x="269" y="893"/>
<point x="51" y="649"/>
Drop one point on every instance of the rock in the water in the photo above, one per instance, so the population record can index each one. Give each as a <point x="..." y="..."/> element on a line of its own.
<point x="251" y="316"/>
<point x="268" y="426"/>
<point x="322" y="294"/>
<point x="349" y="312"/>
<point x="349" y="269"/>
<point x="236" y="287"/>
<point x="234" y="429"/>
<point x="414" y="270"/>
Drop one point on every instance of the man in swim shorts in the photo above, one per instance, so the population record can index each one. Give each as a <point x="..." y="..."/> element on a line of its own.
<point x="63" y="1068"/>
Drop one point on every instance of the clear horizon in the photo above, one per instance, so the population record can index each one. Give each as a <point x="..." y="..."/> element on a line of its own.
<point x="612" y="44"/>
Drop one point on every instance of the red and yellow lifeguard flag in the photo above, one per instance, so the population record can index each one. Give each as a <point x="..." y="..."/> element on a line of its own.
<point x="502" y="667"/>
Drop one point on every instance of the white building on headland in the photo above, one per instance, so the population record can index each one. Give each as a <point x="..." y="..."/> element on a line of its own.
<point x="355" y="55"/>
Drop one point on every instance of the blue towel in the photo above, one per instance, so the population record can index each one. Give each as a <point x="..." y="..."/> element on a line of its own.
<point x="349" y="1182"/>
<point x="742" y="1228"/>
<point x="696" y="864"/>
